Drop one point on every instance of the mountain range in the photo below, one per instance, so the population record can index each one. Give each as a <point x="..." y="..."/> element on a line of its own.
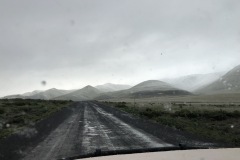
<point x="212" y="83"/>
<point x="150" y="88"/>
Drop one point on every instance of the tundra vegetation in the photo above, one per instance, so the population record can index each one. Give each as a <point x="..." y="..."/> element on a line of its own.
<point x="16" y="114"/>
<point x="215" y="121"/>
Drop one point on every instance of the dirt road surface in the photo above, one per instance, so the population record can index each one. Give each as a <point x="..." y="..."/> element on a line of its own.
<point x="92" y="126"/>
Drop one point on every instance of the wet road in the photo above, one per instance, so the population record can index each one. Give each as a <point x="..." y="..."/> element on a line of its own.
<point x="91" y="127"/>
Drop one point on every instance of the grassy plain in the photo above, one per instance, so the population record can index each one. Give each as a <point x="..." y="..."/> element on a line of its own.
<point x="212" y="116"/>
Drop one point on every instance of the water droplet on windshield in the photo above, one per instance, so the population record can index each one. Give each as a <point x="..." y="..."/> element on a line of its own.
<point x="72" y="22"/>
<point x="44" y="83"/>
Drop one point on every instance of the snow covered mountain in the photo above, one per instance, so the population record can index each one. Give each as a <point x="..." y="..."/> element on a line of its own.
<point x="195" y="81"/>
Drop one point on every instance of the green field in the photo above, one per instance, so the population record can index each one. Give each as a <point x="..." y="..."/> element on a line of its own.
<point x="214" y="120"/>
<point x="15" y="114"/>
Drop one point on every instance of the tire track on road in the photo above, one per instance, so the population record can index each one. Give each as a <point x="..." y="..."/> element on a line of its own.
<point x="60" y="142"/>
<point x="134" y="138"/>
<point x="104" y="131"/>
<point x="95" y="133"/>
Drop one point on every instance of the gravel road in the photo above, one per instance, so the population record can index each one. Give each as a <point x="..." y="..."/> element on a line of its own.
<point x="92" y="126"/>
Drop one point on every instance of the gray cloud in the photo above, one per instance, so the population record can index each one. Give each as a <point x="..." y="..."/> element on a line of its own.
<point x="74" y="43"/>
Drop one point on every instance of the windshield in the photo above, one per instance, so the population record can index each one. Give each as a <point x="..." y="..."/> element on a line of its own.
<point x="85" y="78"/>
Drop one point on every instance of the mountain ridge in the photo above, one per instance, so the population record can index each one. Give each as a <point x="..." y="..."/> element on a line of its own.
<point x="86" y="93"/>
<point x="194" y="81"/>
<point x="110" y="87"/>
<point x="228" y="83"/>
<point x="145" y="89"/>
<point x="49" y="94"/>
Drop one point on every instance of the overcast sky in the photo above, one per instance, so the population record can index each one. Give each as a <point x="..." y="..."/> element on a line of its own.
<point x="73" y="43"/>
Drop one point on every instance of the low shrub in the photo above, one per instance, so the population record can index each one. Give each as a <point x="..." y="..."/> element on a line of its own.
<point x="121" y="105"/>
<point x="19" y="113"/>
<point x="150" y="113"/>
<point x="2" y="110"/>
